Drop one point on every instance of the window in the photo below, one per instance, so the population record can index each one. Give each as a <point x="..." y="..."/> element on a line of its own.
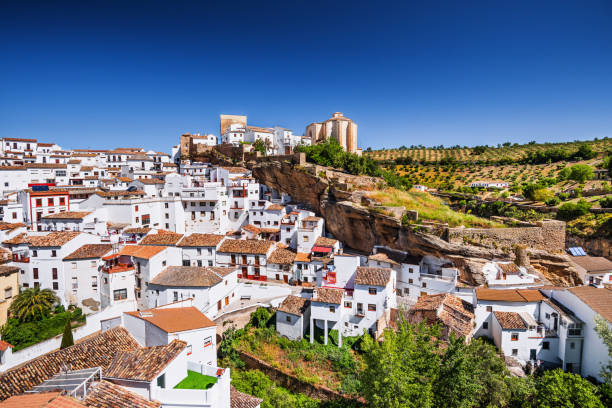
<point x="136" y="208"/>
<point x="515" y="352"/>
<point x="55" y="286"/>
<point x="62" y="201"/>
<point x="305" y="238"/>
<point x="288" y="318"/>
<point x="410" y="281"/>
<point x="372" y="291"/>
<point x="406" y="291"/>
<point x="39" y="202"/>
<point x="175" y="296"/>
<point x="332" y="309"/>
<point x="93" y="264"/>
<point x="8" y="293"/>
<point x="35" y="273"/>
<point x="410" y="270"/>
<point x="75" y="285"/>
<point x="74" y="265"/>
<point x="166" y="206"/>
<point x="120" y="294"/>
<point x="94" y="282"/>
<point x="371" y="307"/>
<point x="50" y="202"/>
<point x="199" y="262"/>
<point x="348" y="305"/>
<point x="485" y="325"/>
<point x="53" y="253"/>
<point x="36" y="284"/>
<point x="547" y="315"/>
<point x="572" y="345"/>
<point x="14" y="215"/>
<point x="514" y="337"/>
<point x="189" y="349"/>
<point x="54" y="273"/>
<point x="137" y="220"/>
<point x="164" y="263"/>
<point x="489" y="308"/>
<point x="34" y="253"/>
<point x="545" y="345"/>
<point x="210" y="263"/>
<point x="161" y="381"/>
<point x="105" y="281"/>
<point x="208" y="341"/>
<point x="424" y="284"/>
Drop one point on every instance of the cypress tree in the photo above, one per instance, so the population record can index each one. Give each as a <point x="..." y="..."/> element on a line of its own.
<point x="67" y="339"/>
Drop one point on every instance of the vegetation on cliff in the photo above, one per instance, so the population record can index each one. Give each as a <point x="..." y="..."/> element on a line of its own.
<point x="429" y="208"/>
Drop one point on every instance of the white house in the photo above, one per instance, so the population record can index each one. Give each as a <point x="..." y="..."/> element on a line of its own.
<point x="247" y="254"/>
<point x="82" y="274"/>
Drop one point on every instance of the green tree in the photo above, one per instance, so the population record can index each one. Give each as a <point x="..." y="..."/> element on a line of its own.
<point x="33" y="304"/>
<point x="556" y="388"/>
<point x="260" y="317"/>
<point x="602" y="328"/>
<point x="260" y="146"/>
<point x="570" y="211"/>
<point x="400" y="371"/>
<point x="581" y="172"/>
<point x="67" y="339"/>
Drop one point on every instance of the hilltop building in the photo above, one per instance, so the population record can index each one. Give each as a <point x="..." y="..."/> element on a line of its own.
<point x="341" y="128"/>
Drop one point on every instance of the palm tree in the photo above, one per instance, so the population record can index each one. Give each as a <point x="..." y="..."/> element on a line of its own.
<point x="32" y="304"/>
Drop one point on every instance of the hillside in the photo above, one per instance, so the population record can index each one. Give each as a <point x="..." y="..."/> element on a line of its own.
<point x="510" y="152"/>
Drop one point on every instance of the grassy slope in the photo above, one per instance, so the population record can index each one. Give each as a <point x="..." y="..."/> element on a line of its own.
<point x="429" y="208"/>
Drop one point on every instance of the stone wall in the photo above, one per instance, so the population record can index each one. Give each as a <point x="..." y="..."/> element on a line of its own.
<point x="548" y="235"/>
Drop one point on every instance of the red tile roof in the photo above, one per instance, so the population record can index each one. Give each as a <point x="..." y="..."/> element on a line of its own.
<point x="509" y="295"/>
<point x="105" y="394"/>
<point x="41" y="400"/>
<point x="201" y="240"/>
<point x="143" y="364"/>
<point x="328" y="295"/>
<point x="90" y="251"/>
<point x="174" y="319"/>
<point x="294" y="305"/>
<point x="510" y="320"/>
<point x="191" y="276"/>
<point x="142" y="251"/>
<point x="372" y="276"/>
<point x="246" y="246"/>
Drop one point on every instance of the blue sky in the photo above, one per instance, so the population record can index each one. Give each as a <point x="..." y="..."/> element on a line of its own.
<point x="139" y="73"/>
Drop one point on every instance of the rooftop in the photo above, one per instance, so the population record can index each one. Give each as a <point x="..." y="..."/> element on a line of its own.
<point x="373" y="276"/>
<point x="282" y="256"/>
<point x="328" y="295"/>
<point x="52" y="239"/>
<point x="241" y="400"/>
<point x="246" y="246"/>
<point x="510" y="320"/>
<point x="598" y="299"/>
<point x="509" y="295"/>
<point x="294" y="305"/>
<point x="67" y="215"/>
<point x="174" y="319"/>
<point x="324" y="241"/>
<point x="201" y="240"/>
<point x="191" y="276"/>
<point x="593" y="264"/>
<point x="41" y="400"/>
<point x="141" y="251"/>
<point x="143" y="364"/>
<point x="90" y="251"/>
<point x="162" y="238"/>
<point x="108" y="395"/>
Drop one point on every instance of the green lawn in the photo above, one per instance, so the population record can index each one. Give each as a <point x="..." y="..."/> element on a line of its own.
<point x="196" y="381"/>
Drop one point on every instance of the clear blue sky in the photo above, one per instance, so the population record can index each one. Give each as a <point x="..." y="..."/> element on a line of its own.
<point x="140" y="73"/>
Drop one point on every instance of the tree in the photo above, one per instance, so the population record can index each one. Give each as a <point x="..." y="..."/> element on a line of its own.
<point x="399" y="371"/>
<point x="260" y="146"/>
<point x="33" y="304"/>
<point x="67" y="339"/>
<point x="556" y="388"/>
<point x="603" y="330"/>
<point x="581" y="172"/>
<point x="570" y="211"/>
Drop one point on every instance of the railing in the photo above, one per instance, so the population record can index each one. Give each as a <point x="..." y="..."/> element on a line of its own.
<point x="21" y="258"/>
<point x="434" y="276"/>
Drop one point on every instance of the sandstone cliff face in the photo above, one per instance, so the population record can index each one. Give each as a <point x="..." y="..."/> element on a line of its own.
<point x="334" y="196"/>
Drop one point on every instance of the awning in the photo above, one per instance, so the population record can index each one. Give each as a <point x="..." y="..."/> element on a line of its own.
<point x="321" y="249"/>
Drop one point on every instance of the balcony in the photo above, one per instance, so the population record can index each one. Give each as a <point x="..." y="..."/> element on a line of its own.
<point x="21" y="258"/>
<point x="120" y="267"/>
<point x="439" y="277"/>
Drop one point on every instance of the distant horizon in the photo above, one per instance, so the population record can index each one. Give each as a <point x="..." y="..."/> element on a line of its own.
<point x="133" y="73"/>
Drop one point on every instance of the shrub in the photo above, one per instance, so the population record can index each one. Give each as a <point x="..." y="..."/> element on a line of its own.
<point x="570" y="211"/>
<point x="581" y="172"/>
<point x="606" y="202"/>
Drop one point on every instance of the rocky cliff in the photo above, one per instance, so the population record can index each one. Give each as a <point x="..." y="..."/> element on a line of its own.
<point x="339" y="198"/>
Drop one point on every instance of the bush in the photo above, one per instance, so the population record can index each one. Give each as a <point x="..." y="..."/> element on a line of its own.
<point x="553" y="201"/>
<point x="606" y="202"/>
<point x="581" y="173"/>
<point x="570" y="211"/>
<point x="260" y="317"/>
<point x="330" y="153"/>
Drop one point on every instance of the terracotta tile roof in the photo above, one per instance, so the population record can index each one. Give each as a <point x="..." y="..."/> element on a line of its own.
<point x="45" y="166"/>
<point x="252" y="228"/>
<point x="598" y="299"/>
<point x="246" y="246"/>
<point x="53" y="239"/>
<point x="372" y="276"/>
<point x="510" y="268"/>
<point x="125" y="179"/>
<point x="169" y="165"/>
<point x="241" y="400"/>
<point x="162" y="238"/>
<point x="22" y="238"/>
<point x="12" y="167"/>
<point x="86" y="168"/>
<point x="143" y="364"/>
<point x="201" y="240"/>
<point x="294" y="305"/>
<point x="312" y="219"/>
<point x="120" y="193"/>
<point x="4" y="345"/>
<point x="137" y="230"/>
<point x="16" y="139"/>
<point x="151" y="181"/>
<point x="382" y="257"/>
<point x="9" y="226"/>
<point x="142" y="251"/>
<point x="593" y="264"/>
<point x="41" y="400"/>
<point x="90" y="251"/>
<point x="509" y="295"/>
<point x="96" y="351"/>
<point x="67" y="215"/>
<point x="6" y="270"/>
<point x="328" y="295"/>
<point x="275" y="207"/>
<point x="108" y="395"/>
<point x="74" y="161"/>
<point x="510" y="320"/>
<point x="174" y="319"/>
<point x="235" y="169"/>
<point x="260" y="129"/>
<point x="324" y="241"/>
<point x="282" y="256"/>
<point x="453" y="312"/>
<point x="197" y="276"/>
<point x="302" y="257"/>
